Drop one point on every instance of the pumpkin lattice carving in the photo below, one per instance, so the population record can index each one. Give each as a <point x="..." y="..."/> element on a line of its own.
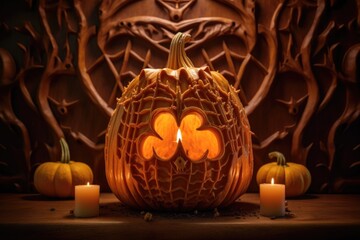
<point x="149" y="166"/>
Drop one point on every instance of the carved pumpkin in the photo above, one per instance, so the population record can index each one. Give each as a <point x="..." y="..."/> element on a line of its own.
<point x="179" y="138"/>
<point x="296" y="177"/>
<point x="58" y="179"/>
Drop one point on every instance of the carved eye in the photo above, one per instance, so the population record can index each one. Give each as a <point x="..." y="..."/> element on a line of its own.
<point x="197" y="139"/>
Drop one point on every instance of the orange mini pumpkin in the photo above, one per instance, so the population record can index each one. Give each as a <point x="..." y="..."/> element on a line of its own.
<point x="296" y="177"/>
<point x="58" y="179"/>
<point x="179" y="138"/>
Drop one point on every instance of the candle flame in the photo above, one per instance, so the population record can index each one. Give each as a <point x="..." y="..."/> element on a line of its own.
<point x="178" y="136"/>
<point x="88" y="184"/>
<point x="272" y="180"/>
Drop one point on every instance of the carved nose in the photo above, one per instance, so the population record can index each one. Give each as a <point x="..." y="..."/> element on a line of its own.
<point x="180" y="164"/>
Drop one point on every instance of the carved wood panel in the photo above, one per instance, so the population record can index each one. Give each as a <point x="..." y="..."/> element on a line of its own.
<point x="296" y="64"/>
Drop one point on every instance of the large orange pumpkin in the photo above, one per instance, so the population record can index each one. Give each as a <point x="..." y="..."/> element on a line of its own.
<point x="179" y="138"/>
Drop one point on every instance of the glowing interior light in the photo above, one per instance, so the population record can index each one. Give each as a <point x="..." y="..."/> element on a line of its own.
<point x="272" y="180"/>
<point x="178" y="135"/>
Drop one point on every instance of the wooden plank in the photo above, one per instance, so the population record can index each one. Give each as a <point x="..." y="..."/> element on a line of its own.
<point x="314" y="216"/>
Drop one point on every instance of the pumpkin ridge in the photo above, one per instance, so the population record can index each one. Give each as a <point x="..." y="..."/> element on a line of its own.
<point x="63" y="180"/>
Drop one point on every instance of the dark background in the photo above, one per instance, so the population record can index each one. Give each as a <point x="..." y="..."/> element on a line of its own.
<point x="296" y="64"/>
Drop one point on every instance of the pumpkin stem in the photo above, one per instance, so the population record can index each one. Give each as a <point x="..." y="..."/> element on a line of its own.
<point x="65" y="152"/>
<point x="280" y="158"/>
<point x="177" y="56"/>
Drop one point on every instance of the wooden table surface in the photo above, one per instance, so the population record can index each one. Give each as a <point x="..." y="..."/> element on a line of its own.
<point x="312" y="216"/>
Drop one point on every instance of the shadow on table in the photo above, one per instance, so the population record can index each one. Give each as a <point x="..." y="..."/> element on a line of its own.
<point x="39" y="197"/>
<point x="235" y="210"/>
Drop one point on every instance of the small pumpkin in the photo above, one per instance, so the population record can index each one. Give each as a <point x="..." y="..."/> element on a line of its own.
<point x="58" y="179"/>
<point x="296" y="177"/>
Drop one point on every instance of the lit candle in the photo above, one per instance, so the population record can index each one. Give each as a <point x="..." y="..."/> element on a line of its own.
<point x="87" y="200"/>
<point x="272" y="199"/>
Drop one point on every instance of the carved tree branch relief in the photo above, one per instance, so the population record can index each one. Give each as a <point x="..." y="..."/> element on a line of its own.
<point x="295" y="64"/>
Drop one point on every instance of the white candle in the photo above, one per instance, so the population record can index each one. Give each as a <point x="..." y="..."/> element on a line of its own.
<point x="87" y="200"/>
<point x="272" y="199"/>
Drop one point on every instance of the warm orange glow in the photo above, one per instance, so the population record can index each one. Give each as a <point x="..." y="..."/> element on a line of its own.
<point x="165" y="146"/>
<point x="195" y="139"/>
<point x="272" y="180"/>
<point x="196" y="142"/>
